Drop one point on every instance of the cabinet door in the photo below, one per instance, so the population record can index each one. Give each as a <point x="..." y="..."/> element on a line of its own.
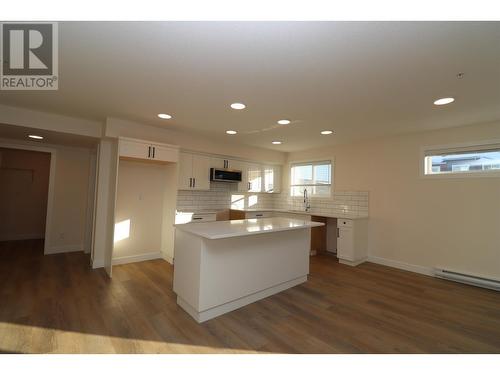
<point x="254" y="174"/>
<point x="136" y="150"/>
<point x="277" y="179"/>
<point x="241" y="166"/>
<point x="162" y="153"/>
<point x="185" y="171"/>
<point x="201" y="172"/>
<point x="216" y="163"/>
<point x="271" y="175"/>
<point x="258" y="214"/>
<point x="345" y="244"/>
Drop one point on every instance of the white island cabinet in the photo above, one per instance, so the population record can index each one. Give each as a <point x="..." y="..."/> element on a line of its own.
<point x="222" y="266"/>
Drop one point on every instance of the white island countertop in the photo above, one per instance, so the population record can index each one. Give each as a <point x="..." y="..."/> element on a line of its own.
<point x="237" y="228"/>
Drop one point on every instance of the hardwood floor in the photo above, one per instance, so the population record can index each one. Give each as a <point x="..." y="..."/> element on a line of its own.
<point x="57" y="304"/>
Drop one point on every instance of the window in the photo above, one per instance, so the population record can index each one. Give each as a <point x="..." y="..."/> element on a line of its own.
<point x="468" y="160"/>
<point x="315" y="177"/>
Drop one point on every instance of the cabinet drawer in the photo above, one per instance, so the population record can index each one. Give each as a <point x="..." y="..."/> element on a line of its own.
<point x="257" y="214"/>
<point x="344" y="223"/>
<point x="197" y="218"/>
<point x="188" y="217"/>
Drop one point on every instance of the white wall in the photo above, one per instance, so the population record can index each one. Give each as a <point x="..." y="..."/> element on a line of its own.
<point x="24" y="186"/>
<point x="452" y="223"/>
<point x="139" y="207"/>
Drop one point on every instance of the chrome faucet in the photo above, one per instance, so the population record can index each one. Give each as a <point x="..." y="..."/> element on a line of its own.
<point x="307" y="205"/>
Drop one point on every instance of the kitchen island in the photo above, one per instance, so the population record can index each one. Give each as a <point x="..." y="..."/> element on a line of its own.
<point x="224" y="265"/>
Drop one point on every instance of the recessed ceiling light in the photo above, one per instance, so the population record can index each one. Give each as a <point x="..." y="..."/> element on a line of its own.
<point x="326" y="132"/>
<point x="444" y="101"/>
<point x="231" y="132"/>
<point x="276" y="142"/>
<point x="238" y="106"/>
<point x="35" y="136"/>
<point x="164" y="116"/>
<point x="283" y="122"/>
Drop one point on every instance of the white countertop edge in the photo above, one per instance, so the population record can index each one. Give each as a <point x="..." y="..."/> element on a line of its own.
<point x="190" y="228"/>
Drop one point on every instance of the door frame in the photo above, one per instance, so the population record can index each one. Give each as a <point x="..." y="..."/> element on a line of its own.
<point x="52" y="172"/>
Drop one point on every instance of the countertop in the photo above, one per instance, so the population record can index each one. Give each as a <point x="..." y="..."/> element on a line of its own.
<point x="237" y="228"/>
<point x="309" y="213"/>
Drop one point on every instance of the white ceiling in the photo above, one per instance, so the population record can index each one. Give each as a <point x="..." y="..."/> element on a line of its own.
<point x="360" y="79"/>
<point x="49" y="137"/>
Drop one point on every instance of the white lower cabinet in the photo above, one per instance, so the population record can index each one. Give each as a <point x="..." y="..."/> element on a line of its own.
<point x="258" y="214"/>
<point x="189" y="217"/>
<point x="352" y="241"/>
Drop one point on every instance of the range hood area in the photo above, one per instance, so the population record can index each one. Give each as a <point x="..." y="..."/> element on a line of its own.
<point x="225" y="175"/>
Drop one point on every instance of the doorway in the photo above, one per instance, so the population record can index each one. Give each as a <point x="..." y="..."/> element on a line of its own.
<point x="24" y="193"/>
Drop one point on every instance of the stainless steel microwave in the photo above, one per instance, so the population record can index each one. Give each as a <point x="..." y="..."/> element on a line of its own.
<point x="225" y="175"/>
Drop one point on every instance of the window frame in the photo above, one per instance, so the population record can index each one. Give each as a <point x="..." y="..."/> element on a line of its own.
<point x="476" y="146"/>
<point x="312" y="163"/>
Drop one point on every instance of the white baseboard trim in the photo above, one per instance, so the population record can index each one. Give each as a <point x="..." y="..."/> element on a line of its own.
<point x="20" y="237"/>
<point x="352" y="263"/>
<point x="168" y="258"/>
<point x="63" y="249"/>
<point x="137" y="258"/>
<point x="401" y="265"/>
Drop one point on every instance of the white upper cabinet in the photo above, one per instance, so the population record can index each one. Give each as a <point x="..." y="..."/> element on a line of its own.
<point x="254" y="173"/>
<point x="240" y="166"/>
<point x="194" y="172"/>
<point x="162" y="153"/>
<point x="217" y="163"/>
<point x="139" y="149"/>
<point x="201" y="172"/>
<point x="223" y="163"/>
<point x="185" y="173"/>
<point x="271" y="175"/>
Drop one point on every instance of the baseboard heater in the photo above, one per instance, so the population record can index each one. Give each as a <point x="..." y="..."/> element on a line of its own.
<point x="467" y="279"/>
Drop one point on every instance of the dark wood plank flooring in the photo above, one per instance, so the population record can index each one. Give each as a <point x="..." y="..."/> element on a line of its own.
<point x="57" y="304"/>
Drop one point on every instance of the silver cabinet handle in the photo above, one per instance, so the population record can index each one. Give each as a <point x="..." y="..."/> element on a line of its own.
<point x="190" y="182"/>
<point x="154" y="152"/>
<point x="338" y="232"/>
<point x="149" y="151"/>
<point x="194" y="181"/>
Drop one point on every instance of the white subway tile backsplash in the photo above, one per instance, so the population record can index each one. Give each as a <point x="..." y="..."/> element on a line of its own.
<point x="223" y="196"/>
